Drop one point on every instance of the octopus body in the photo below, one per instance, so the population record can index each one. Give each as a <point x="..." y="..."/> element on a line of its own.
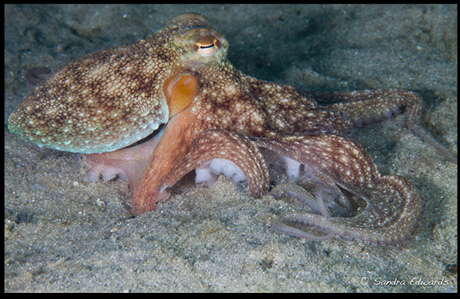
<point x="172" y="103"/>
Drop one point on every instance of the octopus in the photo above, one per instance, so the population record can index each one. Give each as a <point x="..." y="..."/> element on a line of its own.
<point x="172" y="103"/>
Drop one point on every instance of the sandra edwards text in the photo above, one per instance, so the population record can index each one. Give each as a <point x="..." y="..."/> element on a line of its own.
<point x="414" y="281"/>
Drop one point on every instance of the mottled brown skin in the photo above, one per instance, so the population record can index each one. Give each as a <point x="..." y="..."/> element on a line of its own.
<point x="180" y="76"/>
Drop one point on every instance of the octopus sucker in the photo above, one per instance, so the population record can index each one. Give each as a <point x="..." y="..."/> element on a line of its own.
<point x="173" y="103"/>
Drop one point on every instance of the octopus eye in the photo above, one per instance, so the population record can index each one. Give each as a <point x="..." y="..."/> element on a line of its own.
<point x="207" y="45"/>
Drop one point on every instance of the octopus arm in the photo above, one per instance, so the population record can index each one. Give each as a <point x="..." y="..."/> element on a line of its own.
<point x="221" y="144"/>
<point x="393" y="207"/>
<point x="296" y="113"/>
<point x="366" y="107"/>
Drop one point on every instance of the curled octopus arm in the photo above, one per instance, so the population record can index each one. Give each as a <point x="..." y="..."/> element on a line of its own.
<point x="393" y="206"/>
<point x="221" y="144"/>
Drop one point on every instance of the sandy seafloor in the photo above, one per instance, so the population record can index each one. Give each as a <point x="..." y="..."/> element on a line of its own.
<point x="63" y="233"/>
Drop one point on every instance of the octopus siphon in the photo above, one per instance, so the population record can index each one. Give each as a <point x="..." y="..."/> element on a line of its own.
<point x="172" y="103"/>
